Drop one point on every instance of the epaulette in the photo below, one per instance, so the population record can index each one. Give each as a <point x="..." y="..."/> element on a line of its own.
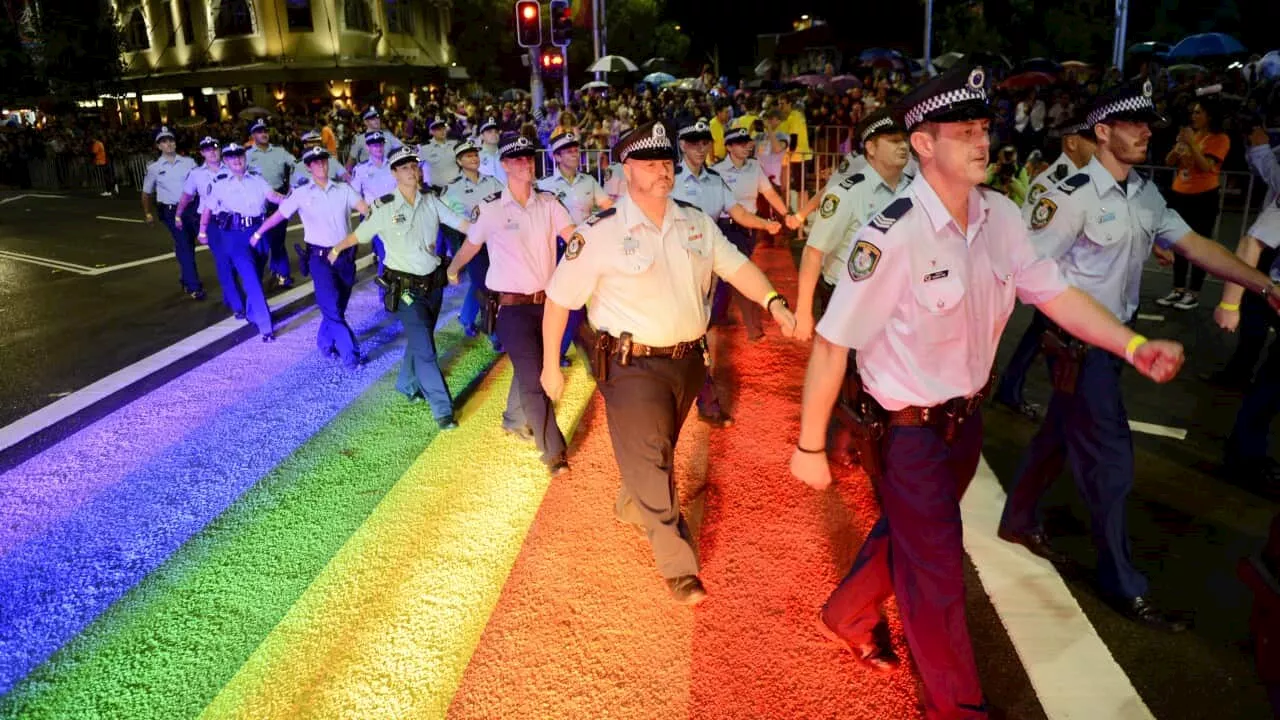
<point x="1073" y="183"/>
<point x="713" y="172"/>
<point x="852" y="180"/>
<point x="685" y="204"/>
<point x="385" y="199"/>
<point x="253" y="171"/>
<point x="891" y="214"/>
<point x="541" y="190"/>
<point x="301" y="182"/>
<point x="221" y="176"/>
<point x="455" y="179"/>
<point x="493" y="197"/>
<point x="1059" y="173"/>
<point x="679" y="169"/>
<point x="597" y="217"/>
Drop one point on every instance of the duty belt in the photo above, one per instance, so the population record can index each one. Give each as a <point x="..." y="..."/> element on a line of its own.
<point x="423" y="284"/>
<point x="506" y="298"/>
<point x="946" y="416"/>
<point x="226" y="221"/>
<point x="628" y="347"/>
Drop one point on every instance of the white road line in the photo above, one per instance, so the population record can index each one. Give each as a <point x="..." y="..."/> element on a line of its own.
<point x="57" y="411"/>
<point x="1073" y="673"/>
<point x="119" y="219"/>
<point x="1153" y="318"/>
<point x="1161" y="430"/>
<point x="8" y="200"/>
<point x="45" y="262"/>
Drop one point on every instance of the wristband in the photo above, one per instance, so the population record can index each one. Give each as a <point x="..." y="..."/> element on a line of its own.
<point x="1137" y="342"/>
<point x="807" y="451"/>
<point x="771" y="298"/>
<point x="1230" y="307"/>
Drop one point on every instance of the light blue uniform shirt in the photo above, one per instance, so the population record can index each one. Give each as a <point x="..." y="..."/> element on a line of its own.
<point x="359" y="151"/>
<point x="845" y="208"/>
<point x="408" y="230"/>
<point x="1101" y="237"/>
<point x="581" y="197"/>
<point x="441" y="165"/>
<point x="199" y="183"/>
<point x="272" y="164"/>
<point x="372" y="181"/>
<point x="165" y="178"/>
<point x="707" y="190"/>
<point x="302" y="174"/>
<point x="463" y="195"/>
<point x="491" y="163"/>
<point x="746" y="182"/>
<point x="245" y="194"/>
<point x="326" y="212"/>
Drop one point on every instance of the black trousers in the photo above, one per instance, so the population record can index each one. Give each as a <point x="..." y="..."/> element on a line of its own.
<point x="520" y="331"/>
<point x="646" y="403"/>
<point x="1200" y="210"/>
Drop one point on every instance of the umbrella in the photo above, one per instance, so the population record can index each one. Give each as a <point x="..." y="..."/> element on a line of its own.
<point x="812" y="80"/>
<point x="612" y="63"/>
<point x="882" y="58"/>
<point x="1206" y="45"/>
<point x="1030" y="79"/>
<point x="657" y="64"/>
<point x="1044" y="65"/>
<point x="1075" y="65"/>
<point x="990" y="60"/>
<point x="193" y="121"/>
<point x="1187" y="69"/>
<point x="1269" y="65"/>
<point x="845" y="83"/>
<point x="1149" y="48"/>
<point x="594" y="85"/>
<point x="659" y="78"/>
<point x="684" y="84"/>
<point x="250" y="113"/>
<point x="764" y="67"/>
<point x="946" y="61"/>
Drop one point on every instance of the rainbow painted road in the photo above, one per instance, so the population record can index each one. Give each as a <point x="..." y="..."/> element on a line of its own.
<point x="231" y="540"/>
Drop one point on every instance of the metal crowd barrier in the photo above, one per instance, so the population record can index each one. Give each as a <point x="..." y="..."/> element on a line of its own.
<point x="73" y="172"/>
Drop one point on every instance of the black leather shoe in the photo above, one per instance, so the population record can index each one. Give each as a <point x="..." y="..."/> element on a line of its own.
<point x="1030" y="411"/>
<point x="239" y="315"/>
<point x="718" y="419"/>
<point x="874" y="652"/>
<point x="687" y="589"/>
<point x="197" y="295"/>
<point x="558" y="467"/>
<point x="1227" y="380"/>
<point x="447" y="422"/>
<point x="1140" y="610"/>
<point x="1037" y="542"/>
<point x="524" y="434"/>
<point x="268" y="337"/>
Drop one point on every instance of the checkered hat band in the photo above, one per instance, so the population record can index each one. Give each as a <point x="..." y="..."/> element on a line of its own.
<point x="519" y="144"/>
<point x="564" y="142"/>
<point x="881" y="123"/>
<point x="700" y="128"/>
<point x="916" y="115"/>
<point x="661" y="142"/>
<point x="1123" y="105"/>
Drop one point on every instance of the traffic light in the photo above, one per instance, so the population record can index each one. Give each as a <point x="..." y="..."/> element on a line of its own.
<point x="561" y="22"/>
<point x="552" y="61"/>
<point x="528" y="23"/>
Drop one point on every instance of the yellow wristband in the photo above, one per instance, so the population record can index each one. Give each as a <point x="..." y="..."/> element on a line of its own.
<point x="1137" y="342"/>
<point x="769" y="298"/>
<point x="1229" y="307"/>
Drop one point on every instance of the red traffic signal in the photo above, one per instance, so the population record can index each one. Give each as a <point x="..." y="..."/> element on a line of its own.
<point x="561" y="22"/>
<point x="528" y="23"/>
<point x="552" y="61"/>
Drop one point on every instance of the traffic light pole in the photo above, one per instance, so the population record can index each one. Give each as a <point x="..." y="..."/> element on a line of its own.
<point x="535" y="77"/>
<point x="564" y="73"/>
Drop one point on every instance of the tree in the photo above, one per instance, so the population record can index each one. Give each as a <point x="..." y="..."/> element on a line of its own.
<point x="80" y="47"/>
<point x="17" y="65"/>
<point x="963" y="27"/>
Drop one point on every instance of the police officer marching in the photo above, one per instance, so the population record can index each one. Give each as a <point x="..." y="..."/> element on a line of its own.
<point x="438" y="160"/>
<point x="644" y="269"/>
<point x="702" y="187"/>
<point x="462" y="196"/>
<point x="165" y="178"/>
<point x="359" y="151"/>
<point x="490" y="155"/>
<point x="929" y="287"/>
<point x="744" y="176"/>
<point x="372" y="178"/>
<point x="519" y="225"/>
<point x="273" y="163"/>
<point x="198" y="185"/>
<point x="1099" y="225"/>
<point x="844" y="209"/>
<point x="325" y="205"/>
<point x="237" y="203"/>
<point x="301" y="175"/>
<point x="408" y="222"/>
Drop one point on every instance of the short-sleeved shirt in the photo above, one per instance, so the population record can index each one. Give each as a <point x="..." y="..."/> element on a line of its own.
<point x="615" y="181"/>
<point x="924" y="303"/>
<point x="99" y="153"/>
<point x="844" y="209"/>
<point x="1060" y="170"/>
<point x="582" y="195"/>
<point x="717" y="138"/>
<point x="464" y="194"/>
<point x="491" y="163"/>
<point x="244" y="194"/>
<point x="1191" y="180"/>
<point x="408" y="230"/>
<point x="653" y="282"/>
<point x="706" y="190"/>
<point x="1263" y="160"/>
<point x="521" y="239"/>
<point x="273" y="163"/>
<point x="199" y="183"/>
<point x="746" y="182"/>
<point x="1101" y="236"/>
<point x="359" y="151"/>
<point x="372" y="181"/>
<point x="326" y="212"/>
<point x="302" y="174"/>
<point x="166" y="178"/>
<point x="441" y="165"/>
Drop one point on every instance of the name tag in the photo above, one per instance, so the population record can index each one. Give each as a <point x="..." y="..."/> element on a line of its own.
<point x="629" y="245"/>
<point x="1107" y="217"/>
<point x="936" y="275"/>
<point x="695" y="236"/>
<point x="513" y="225"/>
<point x="397" y="218"/>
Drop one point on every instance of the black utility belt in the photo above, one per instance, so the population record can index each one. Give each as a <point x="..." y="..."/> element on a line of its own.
<point x="229" y="221"/>
<point x="418" y="284"/>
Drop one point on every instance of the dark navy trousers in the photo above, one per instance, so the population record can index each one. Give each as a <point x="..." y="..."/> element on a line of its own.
<point x="184" y="244"/>
<point x="275" y="252"/>
<point x="725" y="293"/>
<point x="333" y="285"/>
<point x="1091" y="427"/>
<point x="520" y="330"/>
<point x="248" y="262"/>
<point x="420" y="370"/>
<point x="1252" y="431"/>
<point x="916" y="552"/>
<point x="1024" y="356"/>
<point x="232" y="295"/>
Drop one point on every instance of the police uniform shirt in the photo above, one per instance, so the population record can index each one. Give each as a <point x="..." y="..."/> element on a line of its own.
<point x="244" y="195"/>
<point x="408" y="230"/>
<point x="326" y="212"/>
<point x="746" y="182"/>
<point x="463" y="194"/>
<point x="199" y="183"/>
<point x="491" y="163"/>
<point x="844" y="209"/>
<point x="1101" y="237"/>
<point x="706" y="190"/>
<point x="580" y="196"/>
<point x="272" y="164"/>
<point x="443" y="166"/>
<point x="1262" y="159"/>
<point x="302" y="174"/>
<point x="521" y="240"/>
<point x="925" y="304"/>
<point x="636" y="277"/>
<point x="372" y="181"/>
<point x="166" y="178"/>
<point x="359" y="151"/>
<point x="1060" y="170"/>
<point x="615" y="181"/>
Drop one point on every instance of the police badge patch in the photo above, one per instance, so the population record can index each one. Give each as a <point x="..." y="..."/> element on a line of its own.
<point x="829" y="205"/>
<point x="574" y="248"/>
<point x="844" y="166"/>
<point x="1043" y="213"/>
<point x="474" y="215"/>
<point x="863" y="260"/>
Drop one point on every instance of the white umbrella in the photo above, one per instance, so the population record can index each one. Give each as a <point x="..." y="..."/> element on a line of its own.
<point x="612" y="63"/>
<point x="594" y="85"/>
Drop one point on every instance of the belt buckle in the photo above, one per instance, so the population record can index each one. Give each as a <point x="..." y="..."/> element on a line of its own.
<point x="680" y="351"/>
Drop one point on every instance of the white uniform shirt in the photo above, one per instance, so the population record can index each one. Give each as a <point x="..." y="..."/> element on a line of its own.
<point x="245" y="194"/>
<point x="521" y="239"/>
<point x="273" y="163"/>
<point x="491" y="163"/>
<point x="326" y="212"/>
<point x="746" y="182"/>
<point x="929" y="302"/>
<point x="463" y="195"/>
<point x="706" y="190"/>
<point x="845" y="208"/>
<point x="615" y="181"/>
<point x="1262" y="159"/>
<point x="199" y="183"/>
<point x="1060" y="170"/>
<point x="166" y="178"/>
<point x="653" y="282"/>
<point x="372" y="181"/>
<point x="1100" y="237"/>
<point x="581" y="197"/>
<point x="408" y="230"/>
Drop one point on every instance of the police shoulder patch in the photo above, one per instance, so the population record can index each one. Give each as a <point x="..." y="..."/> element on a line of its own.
<point x="852" y="180"/>
<point x="1059" y="173"/>
<point x="863" y="260"/>
<point x="1043" y="213"/>
<point x="891" y="214"/>
<point x="1074" y="183"/>
<point x="597" y="217"/>
<point x="843" y="167"/>
<point x="686" y="204"/>
<point x="493" y="197"/>
<point x="573" y="248"/>
<point x="829" y="205"/>
<point x="474" y="215"/>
